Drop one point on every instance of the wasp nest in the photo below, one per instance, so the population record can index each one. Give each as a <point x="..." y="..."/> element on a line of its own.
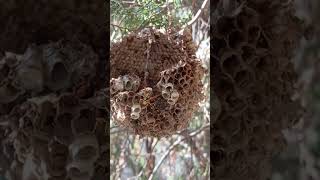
<point x="156" y="82"/>
<point x="51" y="115"/>
<point x="253" y="82"/>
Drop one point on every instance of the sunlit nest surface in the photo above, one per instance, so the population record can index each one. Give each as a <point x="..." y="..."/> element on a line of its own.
<point x="155" y="82"/>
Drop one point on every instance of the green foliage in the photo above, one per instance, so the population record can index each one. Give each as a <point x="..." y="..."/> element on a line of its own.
<point x="132" y="16"/>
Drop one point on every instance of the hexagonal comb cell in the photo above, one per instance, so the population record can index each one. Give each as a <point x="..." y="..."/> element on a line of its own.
<point x="251" y="84"/>
<point x="218" y="44"/>
<point x="84" y="122"/>
<point x="218" y="156"/>
<point x="236" y="38"/>
<point x="9" y="93"/>
<point x="79" y="171"/>
<point x="231" y="64"/>
<point x="230" y="124"/>
<point x="262" y="42"/>
<point x="244" y="79"/>
<point x="247" y="17"/>
<point x="248" y="53"/>
<point x="225" y="25"/>
<point x="253" y="33"/>
<point x="168" y="80"/>
<point x="84" y="148"/>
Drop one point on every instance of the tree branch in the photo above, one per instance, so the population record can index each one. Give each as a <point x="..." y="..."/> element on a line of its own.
<point x="193" y="20"/>
<point x="119" y="27"/>
<point x="176" y="143"/>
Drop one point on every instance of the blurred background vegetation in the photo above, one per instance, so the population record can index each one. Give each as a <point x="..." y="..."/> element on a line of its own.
<point x="185" y="155"/>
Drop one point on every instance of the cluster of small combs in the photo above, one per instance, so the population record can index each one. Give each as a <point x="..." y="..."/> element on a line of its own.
<point x="155" y="82"/>
<point x="253" y="83"/>
<point x="52" y="119"/>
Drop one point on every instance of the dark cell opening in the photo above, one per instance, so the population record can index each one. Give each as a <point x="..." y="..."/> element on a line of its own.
<point x="225" y="25"/>
<point x="217" y="44"/>
<point x="230" y="64"/>
<point x="218" y="156"/>
<point x="253" y="33"/>
<point x="236" y="38"/>
<point x="247" y="53"/>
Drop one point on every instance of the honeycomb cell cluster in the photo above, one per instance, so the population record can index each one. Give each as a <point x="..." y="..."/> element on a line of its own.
<point x="155" y="82"/>
<point x="52" y="123"/>
<point x="253" y="85"/>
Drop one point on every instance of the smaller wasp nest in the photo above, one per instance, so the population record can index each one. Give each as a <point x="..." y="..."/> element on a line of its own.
<point x="254" y="87"/>
<point x="51" y="114"/>
<point x="155" y="82"/>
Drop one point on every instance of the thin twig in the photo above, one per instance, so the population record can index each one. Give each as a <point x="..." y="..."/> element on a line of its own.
<point x="144" y="166"/>
<point x="112" y="127"/>
<point x="140" y="173"/>
<point x="128" y="2"/>
<point x="196" y="151"/>
<point x="120" y="27"/>
<point x="120" y="165"/>
<point x="194" y="19"/>
<point x="154" y="146"/>
<point x="176" y="143"/>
